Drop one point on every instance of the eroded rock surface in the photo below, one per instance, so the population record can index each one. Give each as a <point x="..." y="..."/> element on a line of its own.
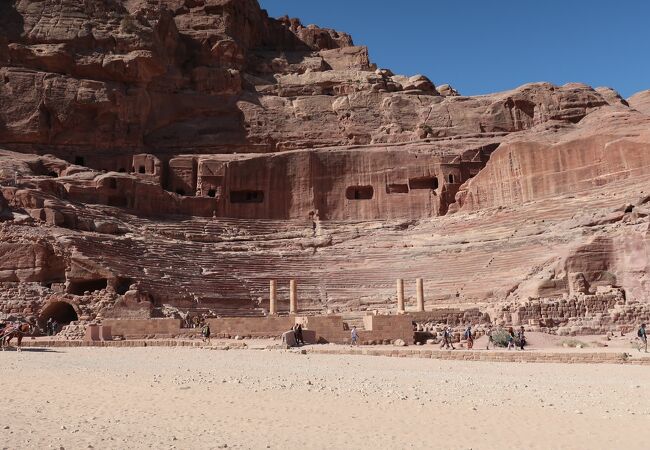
<point x="173" y="156"/>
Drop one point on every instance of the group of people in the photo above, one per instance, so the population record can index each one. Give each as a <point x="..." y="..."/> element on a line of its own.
<point x="513" y="339"/>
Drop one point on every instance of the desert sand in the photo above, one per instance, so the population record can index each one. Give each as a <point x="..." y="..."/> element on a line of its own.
<point x="195" y="398"/>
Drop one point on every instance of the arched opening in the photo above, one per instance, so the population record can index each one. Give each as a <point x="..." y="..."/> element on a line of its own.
<point x="451" y="178"/>
<point x="62" y="312"/>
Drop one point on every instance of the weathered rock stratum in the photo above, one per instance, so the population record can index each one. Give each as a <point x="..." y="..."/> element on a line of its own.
<point x="160" y="157"/>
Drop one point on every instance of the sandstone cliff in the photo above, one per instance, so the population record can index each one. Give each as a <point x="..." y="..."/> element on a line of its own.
<point x="175" y="155"/>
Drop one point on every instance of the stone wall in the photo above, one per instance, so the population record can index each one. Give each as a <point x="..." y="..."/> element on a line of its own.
<point x="137" y="329"/>
<point x="250" y="326"/>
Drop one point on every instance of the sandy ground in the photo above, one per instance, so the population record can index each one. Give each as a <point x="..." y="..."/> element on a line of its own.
<point x="195" y="398"/>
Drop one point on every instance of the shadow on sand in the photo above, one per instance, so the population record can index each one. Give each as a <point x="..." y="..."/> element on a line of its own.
<point x="32" y="349"/>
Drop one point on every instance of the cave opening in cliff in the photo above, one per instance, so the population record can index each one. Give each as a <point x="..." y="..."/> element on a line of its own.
<point x="397" y="188"/>
<point x="122" y="285"/>
<point x="62" y="312"/>
<point x="80" y="160"/>
<point x="423" y="183"/>
<point x="81" y="286"/>
<point x="359" y="192"/>
<point x="246" y="196"/>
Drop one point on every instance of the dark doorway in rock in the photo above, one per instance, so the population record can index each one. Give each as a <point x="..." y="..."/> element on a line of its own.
<point x="212" y="193"/>
<point x="246" y="196"/>
<point x="122" y="285"/>
<point x="423" y="183"/>
<point x="80" y="160"/>
<point x="81" y="286"/>
<point x="359" y="192"/>
<point x="397" y="188"/>
<point x="62" y="312"/>
<point x="141" y="169"/>
<point x="451" y="178"/>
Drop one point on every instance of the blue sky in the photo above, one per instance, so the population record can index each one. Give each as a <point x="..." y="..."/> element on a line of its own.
<point x="481" y="46"/>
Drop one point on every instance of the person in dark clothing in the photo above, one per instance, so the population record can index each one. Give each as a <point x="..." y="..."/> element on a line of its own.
<point x="298" y="334"/>
<point x="643" y="336"/>
<point x="522" y="338"/>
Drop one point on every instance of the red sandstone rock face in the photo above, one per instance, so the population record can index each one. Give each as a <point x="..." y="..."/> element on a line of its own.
<point x="641" y="102"/>
<point x="160" y="157"/>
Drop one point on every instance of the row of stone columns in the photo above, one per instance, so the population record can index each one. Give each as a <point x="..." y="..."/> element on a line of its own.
<point x="273" y="297"/>
<point x="293" y="296"/>
<point x="419" y="295"/>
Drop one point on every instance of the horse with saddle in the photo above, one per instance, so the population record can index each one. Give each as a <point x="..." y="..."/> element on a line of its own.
<point x="11" y="330"/>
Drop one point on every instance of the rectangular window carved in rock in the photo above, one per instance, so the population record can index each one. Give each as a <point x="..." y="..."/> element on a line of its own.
<point x="246" y="196"/>
<point x="397" y="188"/>
<point x="423" y="183"/>
<point x="359" y="192"/>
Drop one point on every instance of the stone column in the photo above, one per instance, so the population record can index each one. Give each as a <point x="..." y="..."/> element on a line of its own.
<point x="420" y="294"/>
<point x="400" y="296"/>
<point x="273" y="310"/>
<point x="293" y="297"/>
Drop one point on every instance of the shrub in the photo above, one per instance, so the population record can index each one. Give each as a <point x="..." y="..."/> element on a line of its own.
<point x="500" y="338"/>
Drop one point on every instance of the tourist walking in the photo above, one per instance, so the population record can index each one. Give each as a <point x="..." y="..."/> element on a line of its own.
<point x="521" y="337"/>
<point x="205" y="332"/>
<point x="469" y="337"/>
<point x="354" y="336"/>
<point x="643" y="336"/>
<point x="490" y="338"/>
<point x="511" y="338"/>
<point x="446" y="339"/>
